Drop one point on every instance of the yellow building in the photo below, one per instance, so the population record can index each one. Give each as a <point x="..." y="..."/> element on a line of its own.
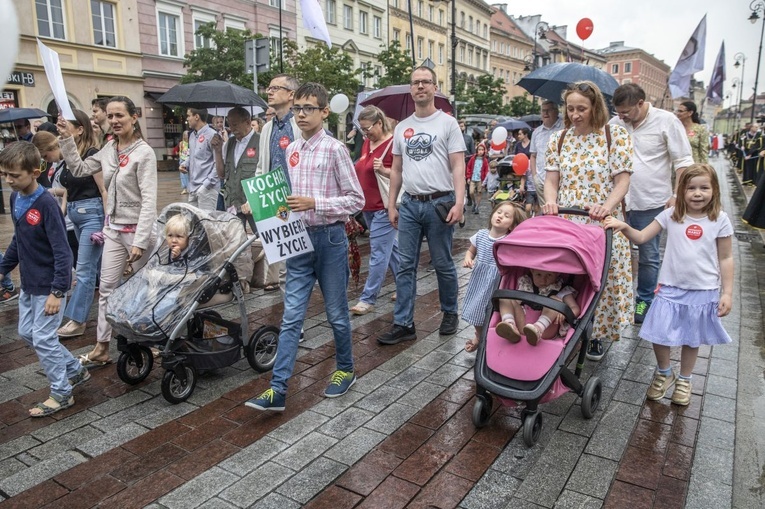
<point x="511" y="51"/>
<point x="473" y="36"/>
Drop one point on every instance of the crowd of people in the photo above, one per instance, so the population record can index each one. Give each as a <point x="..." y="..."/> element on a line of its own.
<point x="411" y="184"/>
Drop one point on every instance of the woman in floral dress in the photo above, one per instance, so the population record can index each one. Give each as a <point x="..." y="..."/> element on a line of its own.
<point x="698" y="136"/>
<point x="590" y="169"/>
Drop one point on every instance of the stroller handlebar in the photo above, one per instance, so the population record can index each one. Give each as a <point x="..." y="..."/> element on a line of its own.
<point x="574" y="211"/>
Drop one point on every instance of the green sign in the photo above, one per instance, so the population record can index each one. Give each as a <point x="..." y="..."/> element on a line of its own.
<point x="267" y="194"/>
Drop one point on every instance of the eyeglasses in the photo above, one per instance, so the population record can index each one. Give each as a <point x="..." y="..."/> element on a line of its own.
<point x="276" y="88"/>
<point x="308" y="110"/>
<point x="581" y="87"/>
<point x="424" y="83"/>
<point x="681" y="111"/>
<point x="366" y="130"/>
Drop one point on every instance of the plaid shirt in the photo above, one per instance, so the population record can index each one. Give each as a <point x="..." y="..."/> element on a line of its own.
<point x="322" y="168"/>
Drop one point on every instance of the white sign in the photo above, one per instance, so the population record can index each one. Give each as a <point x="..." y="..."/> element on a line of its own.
<point x="52" y="66"/>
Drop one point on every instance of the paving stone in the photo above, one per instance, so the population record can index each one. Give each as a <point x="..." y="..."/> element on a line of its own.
<point x="433" y="360"/>
<point x="130" y="414"/>
<point x="708" y="493"/>
<point x="379" y="399"/>
<point x="334" y="406"/>
<point x="592" y="476"/>
<point x="721" y="386"/>
<point x="613" y="432"/>
<point x="717" y="433"/>
<point x="311" y="480"/>
<point x="10" y="466"/>
<point x="392" y="418"/>
<point x="421" y="395"/>
<point x="298" y="427"/>
<point x="340" y="426"/>
<point x="493" y="491"/>
<point x="560" y="405"/>
<point x="63" y="443"/>
<point x="630" y="392"/>
<point x="39" y="472"/>
<point x="65" y="425"/>
<point x="213" y="503"/>
<point x="547" y="478"/>
<point x="727" y="352"/>
<point x="641" y="373"/>
<point x="16" y="446"/>
<point x="253" y="456"/>
<point x="11" y="390"/>
<point x="275" y="501"/>
<point x="573" y="422"/>
<point x="353" y="447"/>
<point x="199" y="489"/>
<point x="517" y="459"/>
<point x="253" y="487"/>
<point x="423" y="347"/>
<point x="111" y="439"/>
<point x="371" y="381"/>
<point x="712" y="465"/>
<point x="722" y="367"/>
<point x="120" y="403"/>
<point x="305" y="451"/>
<point x="399" y="363"/>
<point x="166" y="414"/>
<point x="573" y="500"/>
<point x="718" y="407"/>
<point x="409" y="378"/>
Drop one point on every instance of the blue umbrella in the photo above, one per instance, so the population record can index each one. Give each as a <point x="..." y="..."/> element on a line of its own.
<point x="13" y="114"/>
<point x="551" y="80"/>
<point x="513" y="124"/>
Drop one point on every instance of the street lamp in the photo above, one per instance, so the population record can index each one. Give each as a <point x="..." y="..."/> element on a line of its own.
<point x="540" y="30"/>
<point x="736" y="83"/>
<point x="756" y="6"/>
<point x="453" y="84"/>
<point x="740" y="62"/>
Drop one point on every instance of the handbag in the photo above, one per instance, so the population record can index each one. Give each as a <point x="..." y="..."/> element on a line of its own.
<point x="383" y="182"/>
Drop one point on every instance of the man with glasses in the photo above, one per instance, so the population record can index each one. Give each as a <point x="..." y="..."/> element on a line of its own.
<point x="540" y="138"/>
<point x="429" y="162"/>
<point x="660" y="144"/>
<point x="23" y="130"/>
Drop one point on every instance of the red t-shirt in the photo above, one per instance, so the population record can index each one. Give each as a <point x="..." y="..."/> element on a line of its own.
<point x="365" y="170"/>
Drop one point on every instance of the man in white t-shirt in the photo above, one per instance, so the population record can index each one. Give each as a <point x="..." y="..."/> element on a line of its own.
<point x="660" y="143"/>
<point x="551" y="122"/>
<point x="429" y="162"/>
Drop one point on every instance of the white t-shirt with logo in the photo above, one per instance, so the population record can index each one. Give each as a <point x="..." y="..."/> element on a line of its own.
<point x="690" y="258"/>
<point x="424" y="145"/>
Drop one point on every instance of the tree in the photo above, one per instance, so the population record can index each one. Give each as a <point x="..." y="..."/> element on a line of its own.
<point x="223" y="60"/>
<point x="333" y="68"/>
<point x="520" y="105"/>
<point x="485" y="96"/>
<point x="396" y="64"/>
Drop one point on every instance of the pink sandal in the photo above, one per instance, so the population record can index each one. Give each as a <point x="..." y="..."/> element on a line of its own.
<point x="533" y="333"/>
<point x="509" y="331"/>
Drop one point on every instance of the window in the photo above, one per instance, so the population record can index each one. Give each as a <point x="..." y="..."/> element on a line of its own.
<point x="395" y="4"/>
<point x="276" y="41"/>
<point x="275" y="3"/>
<point x="199" y="21"/>
<point x="627" y="67"/>
<point x="462" y="19"/>
<point x="420" y="40"/>
<point x="169" y="37"/>
<point x="440" y="85"/>
<point x="420" y="5"/>
<point x="470" y="57"/>
<point x="363" y="22"/>
<point x="494" y="71"/>
<point x="440" y="53"/>
<point x="103" y="24"/>
<point x="470" y="23"/>
<point x="431" y="11"/>
<point x="377" y="27"/>
<point x="485" y="31"/>
<point x="331" y="11"/>
<point x="441" y="17"/>
<point x="408" y="42"/>
<point x="396" y="34"/>
<point x="234" y="24"/>
<point x="347" y="17"/>
<point x="462" y="53"/>
<point x="50" y="18"/>
<point x="431" y="46"/>
<point x="626" y="80"/>
<point x="614" y="68"/>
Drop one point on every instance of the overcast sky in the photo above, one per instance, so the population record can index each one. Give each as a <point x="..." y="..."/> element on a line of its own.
<point x="662" y="27"/>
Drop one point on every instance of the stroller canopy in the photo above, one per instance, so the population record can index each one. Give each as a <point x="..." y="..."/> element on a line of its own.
<point x="554" y="244"/>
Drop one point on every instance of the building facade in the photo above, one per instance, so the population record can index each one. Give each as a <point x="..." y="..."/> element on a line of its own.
<point x="634" y="65"/>
<point x="511" y="51"/>
<point x="473" y="40"/>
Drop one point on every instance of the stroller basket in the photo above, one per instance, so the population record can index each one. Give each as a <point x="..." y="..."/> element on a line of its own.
<point x="213" y="342"/>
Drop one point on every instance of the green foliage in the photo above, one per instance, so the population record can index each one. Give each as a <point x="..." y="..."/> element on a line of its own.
<point x="224" y="61"/>
<point x="333" y="68"/>
<point x="485" y="96"/>
<point x="521" y="105"/>
<point x="396" y="64"/>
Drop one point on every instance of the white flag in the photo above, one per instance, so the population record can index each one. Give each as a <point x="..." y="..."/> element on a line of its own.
<point x="691" y="60"/>
<point x="313" y="20"/>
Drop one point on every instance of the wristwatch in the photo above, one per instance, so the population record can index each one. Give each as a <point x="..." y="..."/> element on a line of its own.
<point x="57" y="293"/>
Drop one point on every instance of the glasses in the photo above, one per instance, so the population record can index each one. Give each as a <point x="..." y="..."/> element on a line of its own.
<point x="308" y="110"/>
<point x="681" y="111"/>
<point x="276" y="88"/>
<point x="581" y="87"/>
<point x="366" y="130"/>
<point x="424" y="83"/>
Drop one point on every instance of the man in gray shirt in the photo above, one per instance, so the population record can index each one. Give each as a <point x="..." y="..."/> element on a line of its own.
<point x="204" y="184"/>
<point x="539" y="141"/>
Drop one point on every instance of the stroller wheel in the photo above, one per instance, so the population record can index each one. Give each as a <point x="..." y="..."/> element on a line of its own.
<point x="176" y="390"/>
<point x="135" y="365"/>
<point x="261" y="351"/>
<point x="591" y="394"/>
<point x="532" y="428"/>
<point x="481" y="411"/>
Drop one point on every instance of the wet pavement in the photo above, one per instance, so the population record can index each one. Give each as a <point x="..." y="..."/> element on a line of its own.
<point x="403" y="436"/>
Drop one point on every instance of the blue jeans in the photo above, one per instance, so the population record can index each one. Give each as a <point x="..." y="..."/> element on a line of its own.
<point x="383" y="242"/>
<point x="6" y="282"/>
<point x="648" y="254"/>
<point x="87" y="216"/>
<point x="39" y="332"/>
<point x="328" y="263"/>
<point x="184" y="180"/>
<point x="416" y="220"/>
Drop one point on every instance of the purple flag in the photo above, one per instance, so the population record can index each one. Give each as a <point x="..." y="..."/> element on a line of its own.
<point x="715" y="90"/>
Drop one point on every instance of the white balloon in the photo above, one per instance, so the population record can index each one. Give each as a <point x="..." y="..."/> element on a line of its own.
<point x="499" y="135"/>
<point x="9" y="27"/>
<point x="339" y="103"/>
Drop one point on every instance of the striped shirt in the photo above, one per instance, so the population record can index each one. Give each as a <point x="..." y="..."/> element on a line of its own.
<point x="322" y="169"/>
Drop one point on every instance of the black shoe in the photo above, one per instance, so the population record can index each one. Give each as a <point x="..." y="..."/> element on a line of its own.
<point x="449" y="324"/>
<point x="641" y="308"/>
<point x="397" y="334"/>
<point x="595" y="350"/>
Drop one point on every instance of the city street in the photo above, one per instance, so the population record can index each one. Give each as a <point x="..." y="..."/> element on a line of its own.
<point x="403" y="436"/>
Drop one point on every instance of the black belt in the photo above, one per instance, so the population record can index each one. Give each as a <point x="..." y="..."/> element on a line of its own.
<point x="429" y="197"/>
<point x="324" y="226"/>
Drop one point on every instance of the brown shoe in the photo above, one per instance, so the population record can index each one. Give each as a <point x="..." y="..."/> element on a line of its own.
<point x="71" y="330"/>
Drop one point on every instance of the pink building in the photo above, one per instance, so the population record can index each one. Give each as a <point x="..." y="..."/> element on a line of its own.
<point x="166" y="31"/>
<point x="634" y="65"/>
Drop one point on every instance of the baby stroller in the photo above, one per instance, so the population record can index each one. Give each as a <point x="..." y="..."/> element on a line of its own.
<point x="509" y="183"/>
<point x="164" y="305"/>
<point x="536" y="374"/>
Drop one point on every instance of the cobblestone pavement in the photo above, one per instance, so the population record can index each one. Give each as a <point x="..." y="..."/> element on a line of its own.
<point x="403" y="436"/>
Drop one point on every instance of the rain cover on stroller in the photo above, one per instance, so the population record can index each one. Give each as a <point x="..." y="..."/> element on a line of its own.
<point x="150" y="303"/>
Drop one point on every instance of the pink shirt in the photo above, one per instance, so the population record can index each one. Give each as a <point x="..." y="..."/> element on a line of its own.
<point x="322" y="169"/>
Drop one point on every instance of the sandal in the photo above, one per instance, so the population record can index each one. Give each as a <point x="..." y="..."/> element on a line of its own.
<point x="271" y="288"/>
<point x="471" y="345"/>
<point x="532" y="333"/>
<point x="51" y="405"/>
<point x="362" y="308"/>
<point x="89" y="363"/>
<point x="508" y="331"/>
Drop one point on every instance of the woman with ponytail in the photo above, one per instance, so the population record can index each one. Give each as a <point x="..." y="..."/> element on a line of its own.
<point x="698" y="135"/>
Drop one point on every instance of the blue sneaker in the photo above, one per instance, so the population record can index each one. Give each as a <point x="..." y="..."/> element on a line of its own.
<point x="269" y="400"/>
<point x="339" y="384"/>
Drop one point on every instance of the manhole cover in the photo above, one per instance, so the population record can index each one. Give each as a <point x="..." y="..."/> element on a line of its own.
<point x="745" y="236"/>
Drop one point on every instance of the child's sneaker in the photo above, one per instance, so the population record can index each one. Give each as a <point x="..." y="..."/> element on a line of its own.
<point x="595" y="350"/>
<point x="660" y="385"/>
<point x="682" y="394"/>
<point x="533" y="334"/>
<point x="8" y="295"/>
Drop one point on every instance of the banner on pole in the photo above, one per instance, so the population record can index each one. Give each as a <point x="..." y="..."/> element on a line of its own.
<point x="281" y="231"/>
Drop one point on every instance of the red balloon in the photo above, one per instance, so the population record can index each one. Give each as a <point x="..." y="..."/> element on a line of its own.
<point x="584" y="28"/>
<point x="520" y="164"/>
<point x="499" y="147"/>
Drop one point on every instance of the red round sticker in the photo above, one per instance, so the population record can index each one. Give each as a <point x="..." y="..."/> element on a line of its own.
<point x="284" y="142"/>
<point x="294" y="159"/>
<point x="694" y="232"/>
<point x="408" y="133"/>
<point x="34" y="217"/>
<point x="124" y="160"/>
<point x="250" y="152"/>
<point x="201" y="138"/>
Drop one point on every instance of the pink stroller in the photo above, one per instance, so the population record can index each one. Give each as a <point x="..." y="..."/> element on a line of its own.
<point x="519" y="372"/>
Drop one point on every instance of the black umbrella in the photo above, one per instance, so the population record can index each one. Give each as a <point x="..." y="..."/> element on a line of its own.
<point x="551" y="80"/>
<point x="211" y="94"/>
<point x="13" y="114"/>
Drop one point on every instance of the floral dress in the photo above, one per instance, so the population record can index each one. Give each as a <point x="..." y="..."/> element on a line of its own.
<point x="587" y="170"/>
<point x="698" y="137"/>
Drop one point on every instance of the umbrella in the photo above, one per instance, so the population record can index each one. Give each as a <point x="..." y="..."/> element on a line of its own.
<point x="531" y="118"/>
<point x="13" y="114"/>
<point x="551" y="80"/>
<point x="513" y="124"/>
<point x="397" y="103"/>
<point x="211" y="94"/>
<point x="223" y="112"/>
